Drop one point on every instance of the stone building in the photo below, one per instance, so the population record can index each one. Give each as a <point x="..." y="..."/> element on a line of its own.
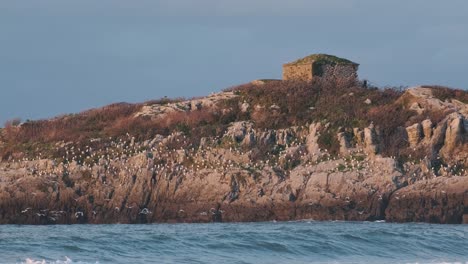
<point x="322" y="65"/>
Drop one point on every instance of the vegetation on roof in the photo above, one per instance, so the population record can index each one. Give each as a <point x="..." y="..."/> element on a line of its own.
<point x="322" y="59"/>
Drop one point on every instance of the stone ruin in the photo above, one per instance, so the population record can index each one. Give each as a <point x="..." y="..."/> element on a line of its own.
<point x="320" y="65"/>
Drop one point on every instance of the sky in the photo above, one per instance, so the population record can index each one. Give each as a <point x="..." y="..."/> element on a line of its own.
<point x="66" y="56"/>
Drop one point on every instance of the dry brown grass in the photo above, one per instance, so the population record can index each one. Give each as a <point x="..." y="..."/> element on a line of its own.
<point x="275" y="104"/>
<point x="445" y="93"/>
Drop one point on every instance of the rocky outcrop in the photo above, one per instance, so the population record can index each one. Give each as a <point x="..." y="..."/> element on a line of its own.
<point x="427" y="129"/>
<point x="345" y="145"/>
<point x="371" y="140"/>
<point x="161" y="109"/>
<point x="223" y="183"/>
<point x="239" y="130"/>
<point x="249" y="174"/>
<point x="455" y="134"/>
<point x="440" y="200"/>
<point x="312" y="140"/>
<point x="415" y="134"/>
<point x="446" y="139"/>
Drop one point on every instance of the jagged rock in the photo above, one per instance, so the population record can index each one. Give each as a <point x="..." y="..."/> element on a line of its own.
<point x="204" y="142"/>
<point x="249" y="139"/>
<point x="416" y="107"/>
<point x="370" y="140"/>
<point x="258" y="180"/>
<point x="425" y="99"/>
<point x="158" y="138"/>
<point x="245" y="107"/>
<point x="172" y="138"/>
<point x="359" y="135"/>
<point x="181" y="155"/>
<point x="438" y="138"/>
<point x="238" y="130"/>
<point x="267" y="137"/>
<point x="415" y="133"/>
<point x="211" y="101"/>
<point x="455" y="133"/>
<point x="437" y="201"/>
<point x="427" y="129"/>
<point x="345" y="145"/>
<point x="196" y="105"/>
<point x="311" y="141"/>
<point x="284" y="136"/>
<point x="292" y="156"/>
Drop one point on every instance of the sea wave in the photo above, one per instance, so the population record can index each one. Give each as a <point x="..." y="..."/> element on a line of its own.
<point x="67" y="260"/>
<point x="295" y="242"/>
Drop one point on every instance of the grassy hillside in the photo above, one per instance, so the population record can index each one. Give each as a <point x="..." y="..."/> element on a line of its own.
<point x="272" y="105"/>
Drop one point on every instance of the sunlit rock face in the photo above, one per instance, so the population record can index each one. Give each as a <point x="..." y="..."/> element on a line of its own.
<point x="248" y="173"/>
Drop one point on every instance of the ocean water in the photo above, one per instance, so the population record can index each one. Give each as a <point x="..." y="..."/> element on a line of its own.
<point x="288" y="242"/>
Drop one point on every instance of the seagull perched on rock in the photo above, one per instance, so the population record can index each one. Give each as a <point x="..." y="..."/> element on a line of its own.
<point x="145" y="211"/>
<point x="78" y="214"/>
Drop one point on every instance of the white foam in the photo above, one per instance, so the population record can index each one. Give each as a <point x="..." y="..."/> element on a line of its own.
<point x="66" y="261"/>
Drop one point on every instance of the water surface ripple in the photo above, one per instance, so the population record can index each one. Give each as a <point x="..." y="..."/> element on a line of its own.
<point x="290" y="242"/>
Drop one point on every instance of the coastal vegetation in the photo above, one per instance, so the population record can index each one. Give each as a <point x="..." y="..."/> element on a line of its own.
<point x="273" y="105"/>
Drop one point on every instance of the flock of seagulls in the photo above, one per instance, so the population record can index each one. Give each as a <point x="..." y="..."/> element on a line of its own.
<point x="176" y="156"/>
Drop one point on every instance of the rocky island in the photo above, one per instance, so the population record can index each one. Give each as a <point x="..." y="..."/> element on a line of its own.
<point x="319" y="144"/>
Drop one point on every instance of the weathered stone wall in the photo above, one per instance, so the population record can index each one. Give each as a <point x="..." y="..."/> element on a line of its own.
<point x="308" y="71"/>
<point x="340" y="70"/>
<point x="297" y="72"/>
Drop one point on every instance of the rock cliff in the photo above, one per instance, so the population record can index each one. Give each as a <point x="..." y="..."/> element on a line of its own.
<point x="247" y="172"/>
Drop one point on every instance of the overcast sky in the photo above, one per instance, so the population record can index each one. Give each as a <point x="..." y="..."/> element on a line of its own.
<point x="64" y="56"/>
